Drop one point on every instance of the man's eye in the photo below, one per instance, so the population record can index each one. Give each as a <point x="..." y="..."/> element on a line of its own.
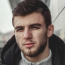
<point x="21" y="29"/>
<point x="35" y="27"/>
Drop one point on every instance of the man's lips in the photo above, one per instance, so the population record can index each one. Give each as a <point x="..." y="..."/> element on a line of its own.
<point x="28" y="45"/>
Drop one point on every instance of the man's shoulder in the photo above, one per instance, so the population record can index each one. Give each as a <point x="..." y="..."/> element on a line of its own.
<point x="55" y="40"/>
<point x="56" y="43"/>
<point x="57" y="47"/>
<point x="8" y="46"/>
<point x="9" y="51"/>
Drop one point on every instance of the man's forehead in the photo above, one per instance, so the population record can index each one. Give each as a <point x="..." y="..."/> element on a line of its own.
<point x="29" y="19"/>
<point x="33" y="15"/>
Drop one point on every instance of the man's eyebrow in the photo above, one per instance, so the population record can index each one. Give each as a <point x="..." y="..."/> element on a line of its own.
<point x="18" y="27"/>
<point x="36" y="24"/>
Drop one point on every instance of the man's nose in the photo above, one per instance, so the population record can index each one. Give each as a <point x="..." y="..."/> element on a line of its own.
<point x="27" y="34"/>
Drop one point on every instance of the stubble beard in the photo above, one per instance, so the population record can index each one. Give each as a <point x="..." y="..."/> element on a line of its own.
<point x="37" y="51"/>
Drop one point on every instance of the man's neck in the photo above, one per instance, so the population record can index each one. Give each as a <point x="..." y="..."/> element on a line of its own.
<point x="39" y="57"/>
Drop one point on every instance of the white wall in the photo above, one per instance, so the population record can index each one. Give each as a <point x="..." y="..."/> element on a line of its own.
<point x="56" y="6"/>
<point x="5" y="16"/>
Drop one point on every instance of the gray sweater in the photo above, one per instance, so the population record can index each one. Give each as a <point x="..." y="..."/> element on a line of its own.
<point x="46" y="61"/>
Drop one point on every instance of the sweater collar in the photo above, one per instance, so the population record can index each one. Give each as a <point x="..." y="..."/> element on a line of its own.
<point x="46" y="61"/>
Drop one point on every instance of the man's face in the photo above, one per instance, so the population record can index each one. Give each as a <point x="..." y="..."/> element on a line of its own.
<point x="30" y="33"/>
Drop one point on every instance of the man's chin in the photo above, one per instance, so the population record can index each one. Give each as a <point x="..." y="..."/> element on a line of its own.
<point x="30" y="53"/>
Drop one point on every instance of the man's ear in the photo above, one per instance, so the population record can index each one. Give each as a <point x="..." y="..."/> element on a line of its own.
<point x="50" y="30"/>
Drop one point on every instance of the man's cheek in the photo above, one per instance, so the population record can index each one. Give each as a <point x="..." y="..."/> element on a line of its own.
<point x="17" y="39"/>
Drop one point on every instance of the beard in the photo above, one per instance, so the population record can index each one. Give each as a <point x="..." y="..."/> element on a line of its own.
<point x="37" y="51"/>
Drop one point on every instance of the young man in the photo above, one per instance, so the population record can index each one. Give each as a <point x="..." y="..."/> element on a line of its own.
<point x="33" y="42"/>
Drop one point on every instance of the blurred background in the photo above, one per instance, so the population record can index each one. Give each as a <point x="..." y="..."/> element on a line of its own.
<point x="57" y="8"/>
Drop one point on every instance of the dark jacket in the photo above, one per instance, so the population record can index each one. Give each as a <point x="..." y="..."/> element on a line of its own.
<point x="11" y="53"/>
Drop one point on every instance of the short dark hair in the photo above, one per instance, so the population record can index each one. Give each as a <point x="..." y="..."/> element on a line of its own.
<point x="29" y="6"/>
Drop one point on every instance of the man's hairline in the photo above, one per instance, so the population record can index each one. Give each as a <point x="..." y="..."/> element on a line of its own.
<point x="26" y="15"/>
